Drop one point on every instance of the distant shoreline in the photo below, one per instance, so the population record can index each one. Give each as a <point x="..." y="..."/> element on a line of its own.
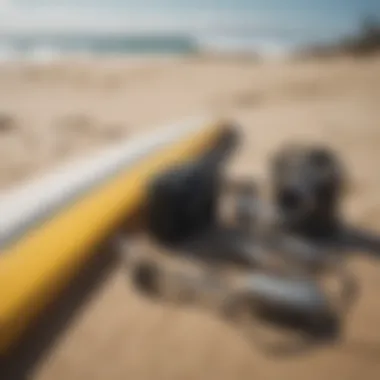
<point x="48" y="47"/>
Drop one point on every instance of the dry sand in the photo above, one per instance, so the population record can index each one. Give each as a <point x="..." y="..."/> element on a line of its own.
<point x="51" y="112"/>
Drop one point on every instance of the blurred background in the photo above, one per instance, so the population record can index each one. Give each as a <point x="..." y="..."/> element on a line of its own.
<point x="78" y="75"/>
<point x="38" y="29"/>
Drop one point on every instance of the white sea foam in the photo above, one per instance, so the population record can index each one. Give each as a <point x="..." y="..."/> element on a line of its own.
<point x="47" y="48"/>
<point x="263" y="46"/>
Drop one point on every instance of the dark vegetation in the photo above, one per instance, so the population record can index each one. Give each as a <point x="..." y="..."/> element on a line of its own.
<point x="365" y="42"/>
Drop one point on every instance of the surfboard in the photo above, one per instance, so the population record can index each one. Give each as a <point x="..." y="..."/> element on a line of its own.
<point x="50" y="226"/>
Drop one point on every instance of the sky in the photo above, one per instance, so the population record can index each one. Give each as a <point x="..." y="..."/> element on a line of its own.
<point x="333" y="16"/>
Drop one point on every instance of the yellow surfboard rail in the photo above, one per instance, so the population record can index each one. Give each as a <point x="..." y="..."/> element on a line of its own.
<point x="38" y="266"/>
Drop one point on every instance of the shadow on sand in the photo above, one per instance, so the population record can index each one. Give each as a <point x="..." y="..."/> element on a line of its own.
<point x="174" y="281"/>
<point x="42" y="336"/>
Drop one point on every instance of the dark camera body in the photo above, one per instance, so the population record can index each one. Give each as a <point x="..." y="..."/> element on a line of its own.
<point x="308" y="182"/>
<point x="183" y="200"/>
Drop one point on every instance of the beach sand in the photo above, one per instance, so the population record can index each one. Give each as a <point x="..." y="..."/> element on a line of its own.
<point x="52" y="112"/>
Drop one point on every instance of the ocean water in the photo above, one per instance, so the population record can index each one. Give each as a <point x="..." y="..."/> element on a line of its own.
<point x="47" y="30"/>
<point x="52" y="46"/>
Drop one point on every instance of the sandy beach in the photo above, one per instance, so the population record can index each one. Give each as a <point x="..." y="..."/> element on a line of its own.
<point x="55" y="111"/>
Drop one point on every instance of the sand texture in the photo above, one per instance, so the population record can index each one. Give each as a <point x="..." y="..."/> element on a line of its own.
<point x="53" y="112"/>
